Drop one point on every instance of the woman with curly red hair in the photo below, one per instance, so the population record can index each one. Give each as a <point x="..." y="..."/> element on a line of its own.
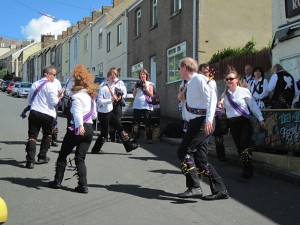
<point x="80" y="133"/>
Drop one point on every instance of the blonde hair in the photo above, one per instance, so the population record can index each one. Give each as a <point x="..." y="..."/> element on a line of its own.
<point x="146" y="72"/>
<point x="84" y="79"/>
<point x="190" y="64"/>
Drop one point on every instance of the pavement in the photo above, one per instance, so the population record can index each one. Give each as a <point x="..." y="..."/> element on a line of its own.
<point x="285" y="167"/>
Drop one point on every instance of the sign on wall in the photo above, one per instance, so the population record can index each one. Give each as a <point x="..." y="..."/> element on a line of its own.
<point x="292" y="8"/>
<point x="282" y="132"/>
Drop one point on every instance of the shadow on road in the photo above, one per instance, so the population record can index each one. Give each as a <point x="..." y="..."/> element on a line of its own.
<point x="142" y="192"/>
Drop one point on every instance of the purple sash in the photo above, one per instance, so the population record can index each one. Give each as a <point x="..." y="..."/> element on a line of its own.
<point x="86" y="117"/>
<point x="36" y="91"/>
<point x="236" y="106"/>
<point x="148" y="99"/>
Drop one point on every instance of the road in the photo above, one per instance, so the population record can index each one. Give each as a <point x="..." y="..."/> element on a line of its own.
<point x="138" y="188"/>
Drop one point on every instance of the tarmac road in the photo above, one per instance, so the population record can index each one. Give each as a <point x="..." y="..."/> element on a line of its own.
<point x="129" y="189"/>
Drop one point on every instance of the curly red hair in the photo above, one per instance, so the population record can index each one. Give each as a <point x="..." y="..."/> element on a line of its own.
<point x="84" y="79"/>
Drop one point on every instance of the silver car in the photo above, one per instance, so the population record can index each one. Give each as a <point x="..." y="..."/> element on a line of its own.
<point x="23" y="90"/>
<point x="15" y="88"/>
<point x="127" y="111"/>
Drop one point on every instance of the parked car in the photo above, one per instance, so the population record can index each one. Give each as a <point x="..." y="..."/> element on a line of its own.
<point x="127" y="111"/>
<point x="15" y="88"/>
<point x="9" y="87"/>
<point x="4" y="85"/>
<point x="23" y="90"/>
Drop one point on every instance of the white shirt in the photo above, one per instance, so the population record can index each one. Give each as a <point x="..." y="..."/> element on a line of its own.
<point x="104" y="101"/>
<point x="200" y="95"/>
<point x="81" y="105"/>
<point x="46" y="98"/>
<point x="254" y="88"/>
<point x="244" y="99"/>
<point x="140" y="99"/>
<point x="57" y="84"/>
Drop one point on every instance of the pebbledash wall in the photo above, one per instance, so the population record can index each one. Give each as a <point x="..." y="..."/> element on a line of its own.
<point x="286" y="35"/>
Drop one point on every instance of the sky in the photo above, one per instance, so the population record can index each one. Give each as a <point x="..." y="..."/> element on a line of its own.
<point x="28" y="19"/>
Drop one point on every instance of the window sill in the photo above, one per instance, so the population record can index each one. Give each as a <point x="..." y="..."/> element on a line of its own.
<point x="137" y="37"/>
<point x="153" y="27"/>
<point x="175" y="13"/>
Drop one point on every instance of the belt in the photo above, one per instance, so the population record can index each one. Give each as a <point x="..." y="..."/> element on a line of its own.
<point x="201" y="112"/>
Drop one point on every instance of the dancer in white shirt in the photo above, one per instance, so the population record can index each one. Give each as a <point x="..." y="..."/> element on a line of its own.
<point x="42" y="98"/>
<point x="237" y="102"/>
<point x="199" y="104"/>
<point x="80" y="133"/>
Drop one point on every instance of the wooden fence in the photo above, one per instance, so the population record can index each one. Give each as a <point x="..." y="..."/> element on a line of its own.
<point x="261" y="58"/>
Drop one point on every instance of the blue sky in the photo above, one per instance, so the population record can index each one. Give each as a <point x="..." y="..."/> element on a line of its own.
<point x="24" y="19"/>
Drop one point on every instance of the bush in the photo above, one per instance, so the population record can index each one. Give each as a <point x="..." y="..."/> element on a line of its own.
<point x="228" y="53"/>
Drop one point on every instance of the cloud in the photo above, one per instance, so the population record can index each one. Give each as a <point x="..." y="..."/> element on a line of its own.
<point x="44" y="25"/>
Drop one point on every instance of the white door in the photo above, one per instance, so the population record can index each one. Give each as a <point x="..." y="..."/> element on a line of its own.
<point x="153" y="70"/>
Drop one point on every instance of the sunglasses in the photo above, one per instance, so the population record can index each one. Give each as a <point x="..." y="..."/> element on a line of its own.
<point x="231" y="79"/>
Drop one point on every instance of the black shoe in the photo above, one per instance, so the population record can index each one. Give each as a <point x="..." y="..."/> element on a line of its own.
<point x="82" y="189"/>
<point x="43" y="161"/>
<point x="191" y="193"/>
<point x="132" y="147"/>
<point x="217" y="196"/>
<point x="29" y="165"/>
<point x="54" y="144"/>
<point x="54" y="184"/>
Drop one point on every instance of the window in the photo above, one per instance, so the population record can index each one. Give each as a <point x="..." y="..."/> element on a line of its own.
<point x="67" y="52"/>
<point x="175" y="54"/>
<point x="85" y="44"/>
<point x="52" y="57"/>
<point x="100" y="69"/>
<point x="138" y="17"/>
<point x="176" y="5"/>
<point x="108" y="42"/>
<point x="154" y="13"/>
<point x="292" y="65"/>
<point x="100" y="38"/>
<point x="135" y="69"/>
<point x="75" y="50"/>
<point x="119" y="31"/>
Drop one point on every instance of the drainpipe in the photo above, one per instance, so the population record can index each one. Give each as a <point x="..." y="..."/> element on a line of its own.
<point x="194" y="28"/>
<point x="126" y="41"/>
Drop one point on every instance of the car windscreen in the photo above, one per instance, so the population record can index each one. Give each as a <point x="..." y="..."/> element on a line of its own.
<point x="129" y="84"/>
<point x="26" y="85"/>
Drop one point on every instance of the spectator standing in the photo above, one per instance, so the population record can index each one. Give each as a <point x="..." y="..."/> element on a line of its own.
<point x="80" y="134"/>
<point x="284" y="88"/>
<point x="237" y="103"/>
<point x="142" y="105"/>
<point x="259" y="88"/>
<point x="42" y="98"/>
<point x="199" y="105"/>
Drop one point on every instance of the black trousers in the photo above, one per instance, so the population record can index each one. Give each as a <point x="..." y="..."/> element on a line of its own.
<point x="195" y="143"/>
<point x="241" y="131"/>
<point x="82" y="144"/>
<point x="139" y="113"/>
<point x="109" y="119"/>
<point x="36" y="121"/>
